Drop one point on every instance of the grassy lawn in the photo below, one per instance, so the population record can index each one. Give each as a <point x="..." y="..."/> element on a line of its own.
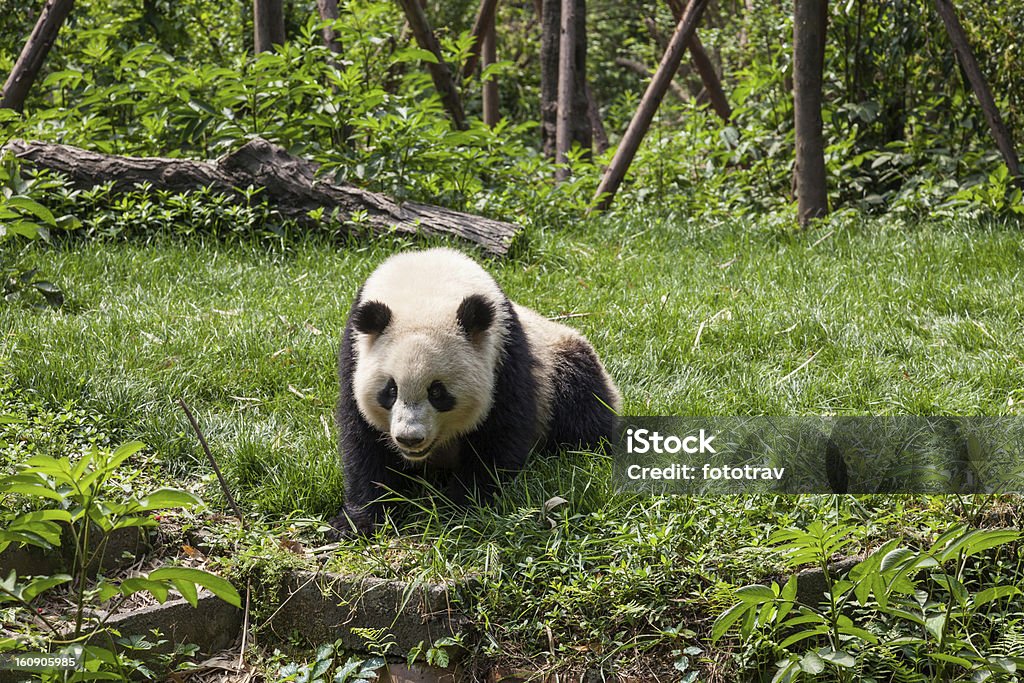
<point x="690" y="317"/>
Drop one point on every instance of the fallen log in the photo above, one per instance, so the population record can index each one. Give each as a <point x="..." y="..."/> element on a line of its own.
<point x="287" y="181"/>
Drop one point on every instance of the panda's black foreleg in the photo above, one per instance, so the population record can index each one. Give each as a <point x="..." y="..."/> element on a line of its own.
<point x="368" y="465"/>
<point x="367" y="462"/>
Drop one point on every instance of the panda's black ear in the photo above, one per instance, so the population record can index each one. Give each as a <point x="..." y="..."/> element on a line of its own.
<point x="475" y="316"/>
<point x="371" y="317"/>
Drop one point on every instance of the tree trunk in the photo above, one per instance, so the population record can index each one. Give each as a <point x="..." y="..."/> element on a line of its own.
<point x="551" y="12"/>
<point x="268" y="24"/>
<point x="566" y="86"/>
<point x="810" y="19"/>
<point x="289" y="183"/>
<point x="1003" y="139"/>
<point x="581" y="132"/>
<point x="483" y="26"/>
<point x="32" y="56"/>
<point x="439" y="72"/>
<point x="490" y="86"/>
<point x="641" y="121"/>
<point x="708" y="75"/>
<point x="329" y="12"/>
<point x="596" y="124"/>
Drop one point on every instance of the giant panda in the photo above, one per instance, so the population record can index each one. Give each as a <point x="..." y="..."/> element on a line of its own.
<point x="439" y="370"/>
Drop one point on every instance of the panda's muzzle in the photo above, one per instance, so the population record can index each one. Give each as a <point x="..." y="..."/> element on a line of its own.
<point x="415" y="451"/>
<point x="410" y="431"/>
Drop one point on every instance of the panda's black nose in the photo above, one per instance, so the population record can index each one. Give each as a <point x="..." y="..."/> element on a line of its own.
<point x="411" y="442"/>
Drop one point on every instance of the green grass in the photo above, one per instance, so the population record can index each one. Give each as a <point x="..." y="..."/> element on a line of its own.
<point x="690" y="317"/>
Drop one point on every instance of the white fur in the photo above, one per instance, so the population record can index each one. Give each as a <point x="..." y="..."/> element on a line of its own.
<point x="423" y="343"/>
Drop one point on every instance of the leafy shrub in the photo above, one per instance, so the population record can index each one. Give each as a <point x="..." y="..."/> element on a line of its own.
<point x="900" y="612"/>
<point x="86" y="510"/>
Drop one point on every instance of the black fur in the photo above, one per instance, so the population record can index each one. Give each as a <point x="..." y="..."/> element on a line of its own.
<point x="439" y="397"/>
<point x="475" y="315"/>
<point x="371" y="318"/>
<point x="581" y="412"/>
<point x="500" y="445"/>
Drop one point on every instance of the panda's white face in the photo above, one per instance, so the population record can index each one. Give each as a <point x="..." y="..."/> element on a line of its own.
<point x="425" y="383"/>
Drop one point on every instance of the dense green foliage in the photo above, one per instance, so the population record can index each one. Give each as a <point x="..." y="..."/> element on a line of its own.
<point x="902" y="130"/>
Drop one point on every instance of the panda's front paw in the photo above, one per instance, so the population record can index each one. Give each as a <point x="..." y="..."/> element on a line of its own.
<point x="351" y="522"/>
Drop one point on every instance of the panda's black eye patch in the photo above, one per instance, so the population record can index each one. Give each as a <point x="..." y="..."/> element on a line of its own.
<point x="439" y="397"/>
<point x="387" y="396"/>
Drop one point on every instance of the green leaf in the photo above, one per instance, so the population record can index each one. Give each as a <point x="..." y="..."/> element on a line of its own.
<point x="158" y="589"/>
<point x="811" y="663"/>
<point x="124" y="452"/>
<point x="935" y="625"/>
<point x="951" y="583"/>
<point x="413" y="54"/>
<point x="168" y="498"/>
<point x="943" y="657"/>
<point x="755" y="594"/>
<point x="33" y="490"/>
<point x="896" y="558"/>
<point x="804" y="635"/>
<point x="1002" y="664"/>
<point x="213" y="583"/>
<point x="987" y="595"/>
<point x="188" y="591"/>
<point x="837" y="657"/>
<point x="39" y="585"/>
<point x="863" y="634"/>
<point x="728" y="618"/>
<point x="33" y="207"/>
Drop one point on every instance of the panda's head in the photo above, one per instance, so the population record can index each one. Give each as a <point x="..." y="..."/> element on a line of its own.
<point x="426" y="355"/>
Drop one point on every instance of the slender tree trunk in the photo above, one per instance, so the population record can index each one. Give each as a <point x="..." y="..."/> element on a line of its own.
<point x="490" y="86"/>
<point x="551" y="12"/>
<point x="268" y="24"/>
<point x="483" y="25"/>
<point x="329" y="12"/>
<point x="439" y="72"/>
<point x="566" y="83"/>
<point x="1004" y="141"/>
<point x="708" y="75"/>
<point x="32" y="56"/>
<point x="810" y="19"/>
<point x="656" y="89"/>
<point x="596" y="125"/>
<point x="581" y="133"/>
<point x="706" y="69"/>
